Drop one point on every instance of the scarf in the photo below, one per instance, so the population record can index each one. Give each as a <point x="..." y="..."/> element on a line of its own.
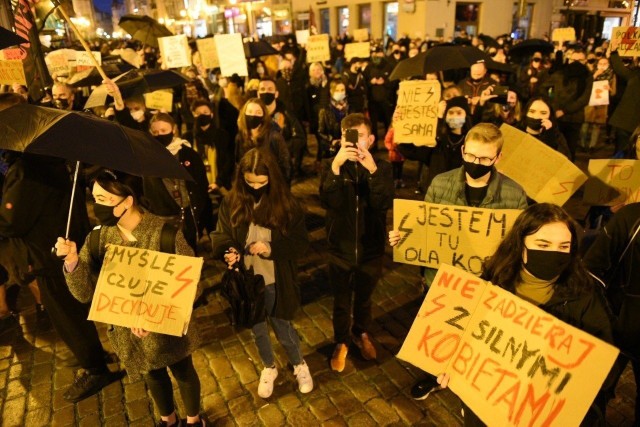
<point x="176" y="145"/>
<point x="534" y="290"/>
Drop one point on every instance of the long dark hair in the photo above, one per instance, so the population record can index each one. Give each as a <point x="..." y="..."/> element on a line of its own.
<point x="277" y="206"/>
<point x="552" y="113"/>
<point x="265" y="127"/>
<point x="123" y="185"/>
<point x="504" y="267"/>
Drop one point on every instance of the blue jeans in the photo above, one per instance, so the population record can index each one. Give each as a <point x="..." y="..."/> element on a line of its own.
<point x="287" y="336"/>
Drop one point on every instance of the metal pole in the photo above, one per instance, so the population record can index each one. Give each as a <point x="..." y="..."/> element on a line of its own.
<point x="73" y="196"/>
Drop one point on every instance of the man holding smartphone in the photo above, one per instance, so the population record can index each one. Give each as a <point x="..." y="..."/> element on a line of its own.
<point x="357" y="191"/>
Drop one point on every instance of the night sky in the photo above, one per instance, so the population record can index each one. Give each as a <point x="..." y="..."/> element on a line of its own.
<point x="103" y="5"/>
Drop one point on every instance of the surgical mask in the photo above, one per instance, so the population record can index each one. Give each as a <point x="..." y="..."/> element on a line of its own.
<point x="203" y="120"/>
<point x="253" y="122"/>
<point x="165" y="139"/>
<point x="61" y="103"/>
<point x="339" y="96"/>
<point x="105" y="214"/>
<point x="456" y="122"/>
<point x="476" y="170"/>
<point x="138" y="115"/>
<point x="267" y="97"/>
<point x="546" y="265"/>
<point x="533" y="124"/>
<point x="257" y="193"/>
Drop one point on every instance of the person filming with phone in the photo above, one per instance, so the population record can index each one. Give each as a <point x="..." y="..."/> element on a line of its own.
<point x="357" y="191"/>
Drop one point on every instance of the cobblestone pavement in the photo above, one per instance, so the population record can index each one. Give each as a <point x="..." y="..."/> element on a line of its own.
<point x="33" y="374"/>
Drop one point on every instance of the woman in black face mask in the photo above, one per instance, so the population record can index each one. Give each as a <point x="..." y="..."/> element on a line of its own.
<point x="261" y="225"/>
<point x="539" y="121"/>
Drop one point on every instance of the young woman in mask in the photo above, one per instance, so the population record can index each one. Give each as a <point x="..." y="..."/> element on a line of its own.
<point x="255" y="130"/>
<point x="186" y="202"/>
<point x="596" y="116"/>
<point x="329" y="119"/>
<point x="261" y="225"/>
<point x="539" y="121"/>
<point x="127" y="223"/>
<point x="538" y="261"/>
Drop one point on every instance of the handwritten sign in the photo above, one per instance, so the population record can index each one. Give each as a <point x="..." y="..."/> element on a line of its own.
<point x="599" y="93"/>
<point x="357" y="50"/>
<point x="83" y="60"/>
<point x="612" y="182"/>
<point x="208" y="53"/>
<point x="567" y="34"/>
<point x="416" y="117"/>
<point x="433" y="234"/>
<point x="361" y="35"/>
<point x="510" y="361"/>
<point x="141" y="288"/>
<point x="58" y="61"/>
<point x="11" y="53"/>
<point x="625" y="39"/>
<point x="12" y="71"/>
<point x="545" y="174"/>
<point x="161" y="100"/>
<point x="175" y="51"/>
<point x="302" y="36"/>
<point x="318" y="48"/>
<point x="233" y="60"/>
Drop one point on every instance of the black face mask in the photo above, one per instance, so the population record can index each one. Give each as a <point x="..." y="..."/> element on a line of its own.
<point x="591" y="61"/>
<point x="165" y="139"/>
<point x="61" y="104"/>
<point x="105" y="215"/>
<point x="257" y="193"/>
<point x="203" y="120"/>
<point x="546" y="265"/>
<point x="476" y="170"/>
<point x="253" y="122"/>
<point x="533" y="124"/>
<point x="268" y="97"/>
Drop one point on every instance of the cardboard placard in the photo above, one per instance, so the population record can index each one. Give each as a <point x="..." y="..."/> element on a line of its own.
<point x="232" y="59"/>
<point x="416" y="116"/>
<point x="545" y="174"/>
<point x="318" y="48"/>
<point x="11" y="72"/>
<point x="567" y="34"/>
<point x="175" y="51"/>
<point x="11" y="53"/>
<point x="433" y="234"/>
<point x="626" y="40"/>
<point x="58" y="61"/>
<point x="208" y="53"/>
<point x="161" y="100"/>
<point x="302" y="36"/>
<point x="512" y="363"/>
<point x="140" y="288"/>
<point x="599" y="93"/>
<point x="612" y="182"/>
<point x="361" y="35"/>
<point x="357" y="50"/>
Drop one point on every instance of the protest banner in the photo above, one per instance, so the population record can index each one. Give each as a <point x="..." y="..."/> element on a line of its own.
<point x="232" y="61"/>
<point x="357" y="50"/>
<point x="612" y="182"/>
<point x="12" y="53"/>
<point x="625" y="40"/>
<point x="512" y="363"/>
<point x="433" y="234"/>
<point x="302" y="36"/>
<point x="318" y="48"/>
<point x="567" y="34"/>
<point x="58" y="61"/>
<point x="161" y="100"/>
<point x="545" y="174"/>
<point x="12" y="71"/>
<point x="208" y="53"/>
<point x="175" y="51"/>
<point x="83" y="60"/>
<point x="360" y="35"/>
<point x="416" y="117"/>
<point x="599" y="93"/>
<point x="140" y="288"/>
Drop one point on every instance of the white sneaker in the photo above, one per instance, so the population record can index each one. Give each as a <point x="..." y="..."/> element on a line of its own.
<point x="267" y="378"/>
<point x="305" y="382"/>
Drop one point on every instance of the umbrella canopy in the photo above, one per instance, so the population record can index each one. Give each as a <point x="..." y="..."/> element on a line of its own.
<point x="85" y="138"/>
<point x="488" y="41"/>
<point x="164" y="79"/>
<point x="529" y="47"/>
<point x="9" y="38"/>
<point x="439" y="58"/>
<point x="130" y="83"/>
<point x="259" y="48"/>
<point x="144" y="28"/>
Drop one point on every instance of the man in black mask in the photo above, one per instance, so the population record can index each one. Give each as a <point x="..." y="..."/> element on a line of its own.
<point x="63" y="96"/>
<point x="478" y="81"/>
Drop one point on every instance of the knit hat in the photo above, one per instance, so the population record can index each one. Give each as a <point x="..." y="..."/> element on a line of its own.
<point x="458" y="101"/>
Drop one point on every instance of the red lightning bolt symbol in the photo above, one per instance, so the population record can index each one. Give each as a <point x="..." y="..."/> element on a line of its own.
<point x="184" y="280"/>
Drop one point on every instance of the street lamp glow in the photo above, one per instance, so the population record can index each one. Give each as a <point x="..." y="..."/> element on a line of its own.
<point x="183" y="13"/>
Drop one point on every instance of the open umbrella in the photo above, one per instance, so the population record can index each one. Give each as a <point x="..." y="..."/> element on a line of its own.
<point x="144" y="28"/>
<point x="113" y="66"/>
<point x="439" y="58"/>
<point x="164" y="79"/>
<point x="259" y="48"/>
<point x="130" y="83"/>
<point x="529" y="47"/>
<point x="488" y="41"/>
<point x="9" y="38"/>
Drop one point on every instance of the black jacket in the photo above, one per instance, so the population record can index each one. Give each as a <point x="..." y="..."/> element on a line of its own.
<point x="338" y="196"/>
<point x="219" y="139"/>
<point x="278" y="148"/>
<point x="627" y="114"/>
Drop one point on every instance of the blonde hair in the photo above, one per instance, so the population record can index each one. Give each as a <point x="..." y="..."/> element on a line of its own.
<point x="485" y="133"/>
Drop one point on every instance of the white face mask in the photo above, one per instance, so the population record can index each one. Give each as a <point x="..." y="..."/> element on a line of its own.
<point x="138" y="115"/>
<point x="339" y="96"/>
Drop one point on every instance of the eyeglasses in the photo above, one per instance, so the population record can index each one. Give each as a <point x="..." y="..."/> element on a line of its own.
<point x="471" y="158"/>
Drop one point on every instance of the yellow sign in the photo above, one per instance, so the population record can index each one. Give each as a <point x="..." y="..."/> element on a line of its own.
<point x="512" y="363"/>
<point x="318" y="48"/>
<point x="361" y="35"/>
<point x="626" y="40"/>
<point x="612" y="182"/>
<point x="161" y="100"/>
<point x="357" y="50"/>
<point x="545" y="174"/>
<point x="232" y="59"/>
<point x="175" y="51"/>
<point x="416" y="116"/>
<point x="432" y="234"/>
<point x="12" y="71"/>
<point x="567" y="34"/>
<point x="208" y="53"/>
<point x="140" y="288"/>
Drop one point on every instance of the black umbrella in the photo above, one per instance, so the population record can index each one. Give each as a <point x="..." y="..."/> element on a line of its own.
<point x="113" y="66"/>
<point x="488" y="41"/>
<point x="9" y="38"/>
<point x="144" y="28"/>
<point x="259" y="48"/>
<point x="164" y="79"/>
<point x="529" y="47"/>
<point x="439" y="58"/>
<point x="130" y="83"/>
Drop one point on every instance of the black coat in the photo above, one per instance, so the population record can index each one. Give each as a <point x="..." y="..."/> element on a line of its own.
<point x="219" y="139"/>
<point x="286" y="249"/>
<point x="278" y="148"/>
<point x="627" y="114"/>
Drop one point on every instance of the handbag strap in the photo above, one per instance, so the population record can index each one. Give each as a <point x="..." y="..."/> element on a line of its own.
<point x="633" y="237"/>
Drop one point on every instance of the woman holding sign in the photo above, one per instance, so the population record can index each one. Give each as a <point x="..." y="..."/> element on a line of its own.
<point x="126" y="223"/>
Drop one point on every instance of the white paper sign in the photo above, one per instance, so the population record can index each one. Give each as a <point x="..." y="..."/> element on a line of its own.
<point x="302" y="36"/>
<point x="599" y="93"/>
<point x="175" y="51"/>
<point x="231" y="54"/>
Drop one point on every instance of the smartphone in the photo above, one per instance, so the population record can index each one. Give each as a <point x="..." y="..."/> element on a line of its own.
<point x="351" y="135"/>
<point x="501" y="90"/>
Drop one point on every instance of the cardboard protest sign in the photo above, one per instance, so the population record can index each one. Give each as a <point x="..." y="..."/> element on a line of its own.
<point x="208" y="53"/>
<point x="83" y="60"/>
<point x="175" y="51"/>
<point x="512" y="363"/>
<point x="433" y="234"/>
<point x="625" y="39"/>
<point x="58" y="61"/>
<point x="612" y="182"/>
<point x="12" y="71"/>
<point x="361" y="35"/>
<point x="357" y="50"/>
<point x="232" y="59"/>
<point x="318" y="48"/>
<point x="545" y="174"/>
<point x="302" y="36"/>
<point x="161" y="100"/>
<point x="146" y="289"/>
<point x="599" y="93"/>
<point x="416" y="117"/>
<point x="11" y="53"/>
<point x="567" y="34"/>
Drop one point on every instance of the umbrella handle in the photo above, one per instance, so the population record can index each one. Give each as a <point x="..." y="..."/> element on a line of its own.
<point x="73" y="196"/>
